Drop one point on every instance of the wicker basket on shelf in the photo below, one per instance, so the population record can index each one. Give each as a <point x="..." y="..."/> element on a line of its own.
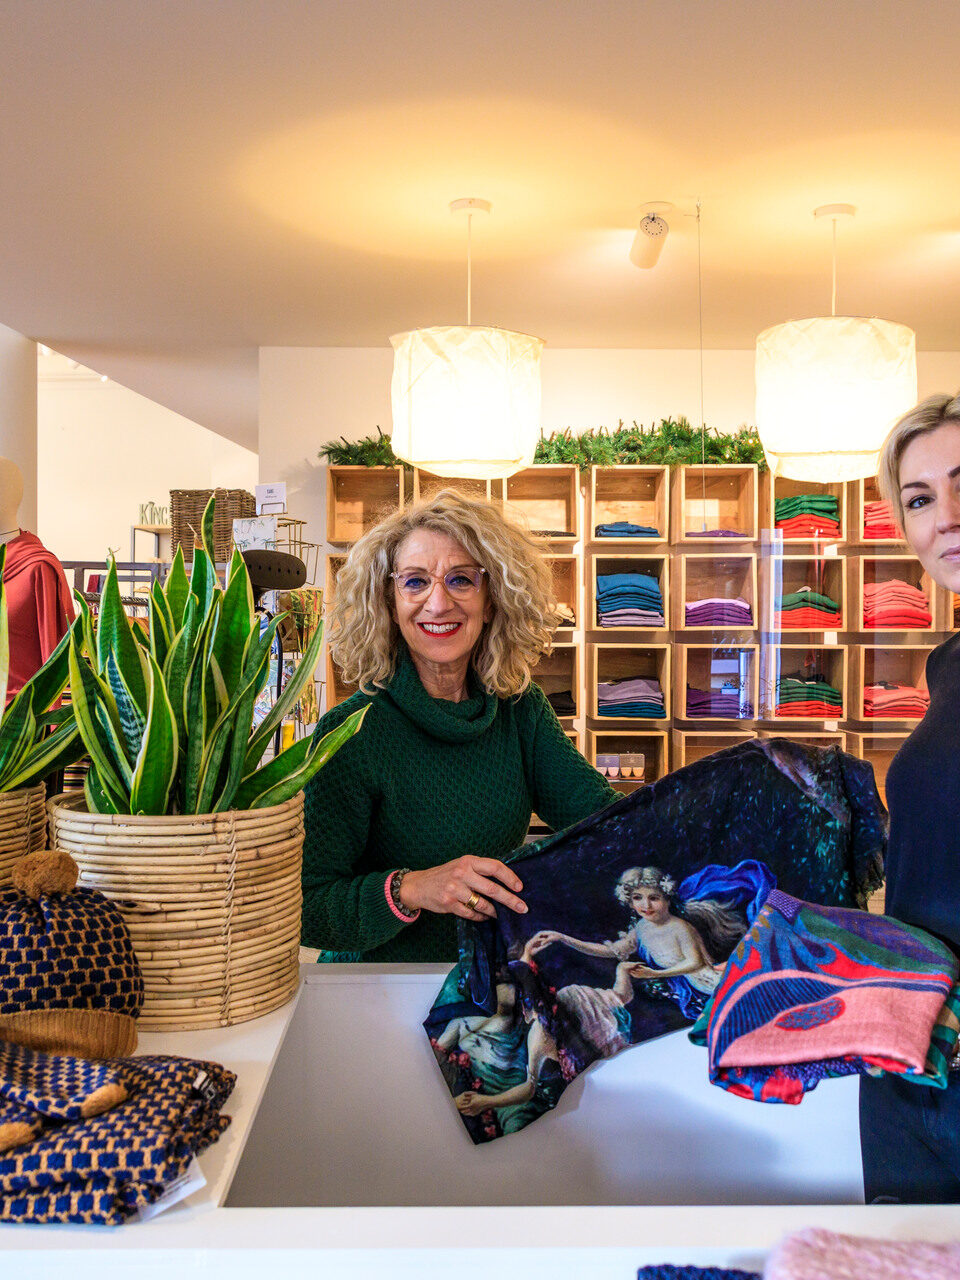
<point x="186" y="516"/>
<point x="23" y="826"/>
<point x="212" y="902"/>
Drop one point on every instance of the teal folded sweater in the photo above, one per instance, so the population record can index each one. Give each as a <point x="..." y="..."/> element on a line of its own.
<point x="425" y="781"/>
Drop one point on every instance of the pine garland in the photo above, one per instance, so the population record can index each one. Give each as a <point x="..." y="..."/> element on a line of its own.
<point x="672" y="441"/>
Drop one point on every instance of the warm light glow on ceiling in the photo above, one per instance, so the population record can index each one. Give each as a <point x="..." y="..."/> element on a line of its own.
<point x="380" y="179"/>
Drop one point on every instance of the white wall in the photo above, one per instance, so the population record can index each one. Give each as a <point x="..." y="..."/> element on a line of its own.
<point x="311" y="395"/>
<point x="18" y="414"/>
<point x="103" y="450"/>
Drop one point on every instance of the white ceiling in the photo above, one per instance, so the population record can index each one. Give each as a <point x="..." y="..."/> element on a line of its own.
<point x="187" y="180"/>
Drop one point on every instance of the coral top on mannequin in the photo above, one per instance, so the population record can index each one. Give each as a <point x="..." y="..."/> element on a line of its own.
<point x="39" y="608"/>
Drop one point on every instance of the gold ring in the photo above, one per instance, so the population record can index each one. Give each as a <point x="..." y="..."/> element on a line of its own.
<point x="471" y="902"/>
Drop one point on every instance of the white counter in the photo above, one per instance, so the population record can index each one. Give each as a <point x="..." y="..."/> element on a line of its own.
<point x="352" y="1128"/>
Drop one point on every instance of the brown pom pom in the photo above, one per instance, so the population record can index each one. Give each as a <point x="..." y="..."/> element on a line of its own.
<point x="47" y="871"/>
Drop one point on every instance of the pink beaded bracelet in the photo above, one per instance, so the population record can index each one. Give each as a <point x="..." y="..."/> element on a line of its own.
<point x="391" y="889"/>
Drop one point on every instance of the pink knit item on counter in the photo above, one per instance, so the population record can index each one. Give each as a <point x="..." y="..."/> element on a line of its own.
<point x="815" y="1254"/>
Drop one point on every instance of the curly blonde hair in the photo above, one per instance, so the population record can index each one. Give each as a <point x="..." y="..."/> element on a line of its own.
<point x="363" y="635"/>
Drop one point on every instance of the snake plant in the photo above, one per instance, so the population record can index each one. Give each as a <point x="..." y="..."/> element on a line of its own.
<point x="36" y="737"/>
<point x="166" y="716"/>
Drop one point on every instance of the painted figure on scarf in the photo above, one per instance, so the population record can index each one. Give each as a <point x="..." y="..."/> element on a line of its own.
<point x="675" y="942"/>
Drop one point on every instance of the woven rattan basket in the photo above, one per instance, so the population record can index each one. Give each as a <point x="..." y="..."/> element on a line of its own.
<point x="23" y="826"/>
<point x="186" y="516"/>
<point x="212" y="902"/>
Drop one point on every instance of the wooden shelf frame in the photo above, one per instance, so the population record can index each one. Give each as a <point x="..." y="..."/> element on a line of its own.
<point x="653" y="565"/>
<point x="907" y="568"/>
<point x="695" y="667"/>
<point x="715" y="496"/>
<point x="782" y="574"/>
<point x="358" y="498"/>
<point x="654" y="743"/>
<point x="777" y="657"/>
<point x="904" y="663"/>
<point x="560" y="670"/>
<point x="690" y="745"/>
<point x="617" y="661"/>
<point x="774" y="487"/>
<point x="865" y="491"/>
<point x="635" y="493"/>
<point x="723" y="574"/>
<point x="546" y="497"/>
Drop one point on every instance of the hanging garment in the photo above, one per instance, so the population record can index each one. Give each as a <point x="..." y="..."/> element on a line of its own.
<point x="816" y="1254"/>
<point x="633" y="912"/>
<point x="103" y="1168"/>
<point x="814" y="992"/>
<point x="39" y="607"/>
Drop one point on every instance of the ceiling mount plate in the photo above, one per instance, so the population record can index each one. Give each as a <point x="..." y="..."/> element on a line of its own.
<point x="835" y="211"/>
<point x="470" y="204"/>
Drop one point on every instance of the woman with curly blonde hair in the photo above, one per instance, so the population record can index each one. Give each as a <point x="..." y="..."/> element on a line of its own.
<point x="441" y="613"/>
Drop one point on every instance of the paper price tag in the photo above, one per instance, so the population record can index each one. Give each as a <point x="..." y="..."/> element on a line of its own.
<point x="190" y="1180"/>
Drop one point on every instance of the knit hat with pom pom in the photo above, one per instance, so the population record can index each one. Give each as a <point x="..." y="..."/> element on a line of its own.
<point x="69" y="979"/>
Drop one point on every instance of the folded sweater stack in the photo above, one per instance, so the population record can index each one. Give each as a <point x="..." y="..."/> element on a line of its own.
<point x="76" y="1165"/>
<point x="718" y="612"/>
<point x="895" y="606"/>
<point x="799" y="697"/>
<point x="817" y="1254"/>
<point x="808" y="515"/>
<point x="727" y="703"/>
<point x="624" y="529"/>
<point x="638" y="698"/>
<point x="807" y="610"/>
<point x="878" y="521"/>
<point x="629" y="600"/>
<point x="888" y="700"/>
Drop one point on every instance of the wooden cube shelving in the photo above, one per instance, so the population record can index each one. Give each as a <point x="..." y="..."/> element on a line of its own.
<point x="711" y="497"/>
<point x="809" y="737"/>
<point x="778" y="660"/>
<point x="725" y="576"/>
<point x="606" y="662"/>
<point x="784" y="574"/>
<point x="653" y="743"/>
<point x="868" y="491"/>
<point x="560" y="673"/>
<point x="781" y="487"/>
<point x="359" y="497"/>
<point x="567" y="576"/>
<point x="653" y="566"/>
<point x="692" y="745"/>
<point x="426" y="485"/>
<point x="905" y="568"/>
<point x="713" y="668"/>
<point x="545" y="501"/>
<point x="899" y="664"/>
<point x="638" y="494"/>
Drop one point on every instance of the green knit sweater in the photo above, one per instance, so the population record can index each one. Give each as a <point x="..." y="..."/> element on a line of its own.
<point x="425" y="781"/>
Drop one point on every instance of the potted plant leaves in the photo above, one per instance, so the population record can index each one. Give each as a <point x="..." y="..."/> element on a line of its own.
<point x="196" y="840"/>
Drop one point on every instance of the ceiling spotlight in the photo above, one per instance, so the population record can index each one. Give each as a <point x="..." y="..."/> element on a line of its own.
<point x="651" y="233"/>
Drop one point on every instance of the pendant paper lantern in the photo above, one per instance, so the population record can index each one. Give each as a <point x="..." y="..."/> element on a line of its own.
<point x="828" y="391"/>
<point x="466" y="400"/>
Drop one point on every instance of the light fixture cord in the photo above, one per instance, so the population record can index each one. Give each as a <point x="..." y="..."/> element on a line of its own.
<point x="833" y="295"/>
<point x="470" y="268"/>
<point x="703" y="429"/>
